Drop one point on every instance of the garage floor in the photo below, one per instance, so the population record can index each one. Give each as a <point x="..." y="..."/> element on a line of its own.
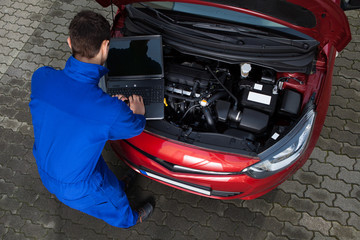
<point x="321" y="201"/>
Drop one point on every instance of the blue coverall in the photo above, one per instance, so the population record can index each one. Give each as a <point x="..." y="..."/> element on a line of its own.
<point x="72" y="119"/>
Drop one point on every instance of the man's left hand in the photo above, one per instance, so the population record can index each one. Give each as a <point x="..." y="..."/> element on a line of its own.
<point x="121" y="97"/>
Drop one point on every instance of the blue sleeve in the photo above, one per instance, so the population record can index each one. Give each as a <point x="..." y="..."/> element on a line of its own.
<point x="40" y="80"/>
<point x="127" y="124"/>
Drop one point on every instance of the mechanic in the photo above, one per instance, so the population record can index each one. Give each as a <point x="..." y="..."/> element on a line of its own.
<point x="73" y="118"/>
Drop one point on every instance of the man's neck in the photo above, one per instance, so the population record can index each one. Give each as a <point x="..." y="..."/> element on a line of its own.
<point x="94" y="60"/>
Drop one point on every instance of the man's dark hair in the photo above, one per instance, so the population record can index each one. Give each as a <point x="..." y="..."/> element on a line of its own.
<point x="87" y="31"/>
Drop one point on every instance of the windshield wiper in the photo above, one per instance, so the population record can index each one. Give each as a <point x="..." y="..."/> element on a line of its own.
<point x="223" y="28"/>
<point x="251" y="33"/>
<point x="171" y="23"/>
<point x="227" y="42"/>
<point x="244" y="31"/>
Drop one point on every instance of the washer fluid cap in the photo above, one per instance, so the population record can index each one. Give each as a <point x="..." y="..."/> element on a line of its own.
<point x="245" y="69"/>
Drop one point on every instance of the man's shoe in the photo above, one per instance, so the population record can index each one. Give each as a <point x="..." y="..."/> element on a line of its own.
<point x="144" y="212"/>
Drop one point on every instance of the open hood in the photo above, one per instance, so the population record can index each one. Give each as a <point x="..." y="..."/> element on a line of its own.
<point x="322" y="20"/>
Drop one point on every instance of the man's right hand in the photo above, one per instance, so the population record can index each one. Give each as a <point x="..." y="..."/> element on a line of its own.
<point x="136" y="104"/>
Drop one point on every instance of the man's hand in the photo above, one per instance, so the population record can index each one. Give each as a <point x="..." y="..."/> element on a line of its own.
<point x="136" y="104"/>
<point x="121" y="97"/>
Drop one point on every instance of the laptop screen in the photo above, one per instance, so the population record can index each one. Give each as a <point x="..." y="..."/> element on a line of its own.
<point x="137" y="56"/>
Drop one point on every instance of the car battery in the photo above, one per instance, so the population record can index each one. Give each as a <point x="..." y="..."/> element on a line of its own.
<point x="258" y="96"/>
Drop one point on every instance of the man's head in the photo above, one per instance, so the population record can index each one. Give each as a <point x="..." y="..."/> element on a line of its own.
<point x="89" y="33"/>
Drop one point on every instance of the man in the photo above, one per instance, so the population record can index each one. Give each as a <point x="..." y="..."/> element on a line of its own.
<point x="73" y="118"/>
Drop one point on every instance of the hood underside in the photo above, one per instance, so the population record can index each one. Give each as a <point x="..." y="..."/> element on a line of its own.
<point x="322" y="20"/>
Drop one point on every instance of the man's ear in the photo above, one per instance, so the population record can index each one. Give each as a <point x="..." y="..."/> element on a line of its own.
<point x="104" y="50"/>
<point x="69" y="42"/>
<point x="105" y="46"/>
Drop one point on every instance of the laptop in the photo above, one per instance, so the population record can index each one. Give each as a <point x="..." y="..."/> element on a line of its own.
<point x="136" y="67"/>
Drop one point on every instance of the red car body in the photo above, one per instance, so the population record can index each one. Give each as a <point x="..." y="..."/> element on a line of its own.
<point x="220" y="174"/>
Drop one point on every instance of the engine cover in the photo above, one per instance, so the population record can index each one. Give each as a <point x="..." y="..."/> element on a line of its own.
<point x="187" y="75"/>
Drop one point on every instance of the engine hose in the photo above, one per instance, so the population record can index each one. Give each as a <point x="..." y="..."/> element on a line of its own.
<point x="222" y="85"/>
<point x="217" y="96"/>
<point x="193" y="92"/>
<point x="187" y="111"/>
<point x="209" y="118"/>
<point x="196" y="84"/>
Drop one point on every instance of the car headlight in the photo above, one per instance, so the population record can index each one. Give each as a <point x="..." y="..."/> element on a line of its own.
<point x="285" y="152"/>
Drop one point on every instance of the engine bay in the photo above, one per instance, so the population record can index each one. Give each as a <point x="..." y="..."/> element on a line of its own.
<point x="206" y="99"/>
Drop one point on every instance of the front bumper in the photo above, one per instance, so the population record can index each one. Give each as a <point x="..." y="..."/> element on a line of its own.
<point x="219" y="186"/>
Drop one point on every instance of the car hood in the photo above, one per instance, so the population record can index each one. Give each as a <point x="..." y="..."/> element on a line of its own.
<point x="322" y="20"/>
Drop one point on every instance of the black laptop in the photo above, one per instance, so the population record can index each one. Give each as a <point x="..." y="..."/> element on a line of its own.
<point x="136" y="67"/>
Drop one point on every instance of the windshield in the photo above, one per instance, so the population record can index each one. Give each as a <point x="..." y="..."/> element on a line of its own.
<point x="223" y="14"/>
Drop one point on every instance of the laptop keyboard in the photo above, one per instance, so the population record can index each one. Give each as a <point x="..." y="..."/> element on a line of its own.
<point x="150" y="95"/>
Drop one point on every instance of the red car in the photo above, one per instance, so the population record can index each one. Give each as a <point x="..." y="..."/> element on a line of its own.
<point x="247" y="88"/>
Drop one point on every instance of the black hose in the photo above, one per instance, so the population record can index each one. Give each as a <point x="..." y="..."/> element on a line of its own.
<point x="222" y="85"/>
<point x="216" y="96"/>
<point x="209" y="118"/>
<point x="196" y="84"/>
<point x="187" y="111"/>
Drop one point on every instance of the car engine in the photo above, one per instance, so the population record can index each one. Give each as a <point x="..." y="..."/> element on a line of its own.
<point x="240" y="100"/>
